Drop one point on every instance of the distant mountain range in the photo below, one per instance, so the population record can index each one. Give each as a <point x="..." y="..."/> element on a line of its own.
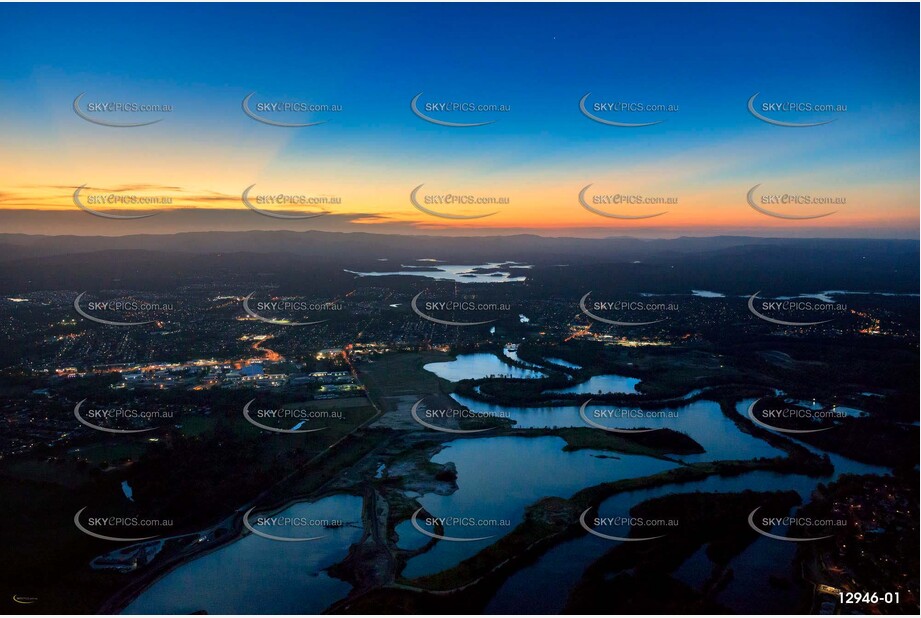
<point x="362" y="245"/>
<point x="56" y="262"/>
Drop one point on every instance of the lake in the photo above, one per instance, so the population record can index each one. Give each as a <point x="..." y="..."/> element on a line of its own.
<point x="255" y="575"/>
<point x="608" y="383"/>
<point x="498" y="477"/>
<point x="477" y="366"/>
<point x="500" y="272"/>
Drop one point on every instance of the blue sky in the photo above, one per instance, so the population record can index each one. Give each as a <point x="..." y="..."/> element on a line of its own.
<point x="538" y="59"/>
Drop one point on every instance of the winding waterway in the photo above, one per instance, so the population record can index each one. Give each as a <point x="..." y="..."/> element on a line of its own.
<point x="545" y="586"/>
<point x="702" y="420"/>
<point x="498" y="477"/>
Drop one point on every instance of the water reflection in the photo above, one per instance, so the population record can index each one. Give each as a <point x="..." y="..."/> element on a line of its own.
<point x="254" y="575"/>
<point x="478" y="366"/>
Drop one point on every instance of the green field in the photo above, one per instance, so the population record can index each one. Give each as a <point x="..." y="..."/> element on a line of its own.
<point x="400" y="375"/>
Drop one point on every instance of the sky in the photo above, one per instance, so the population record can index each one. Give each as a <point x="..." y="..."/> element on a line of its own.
<point x="366" y="63"/>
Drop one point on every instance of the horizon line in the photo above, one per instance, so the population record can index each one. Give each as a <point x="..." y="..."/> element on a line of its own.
<point x="458" y="237"/>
